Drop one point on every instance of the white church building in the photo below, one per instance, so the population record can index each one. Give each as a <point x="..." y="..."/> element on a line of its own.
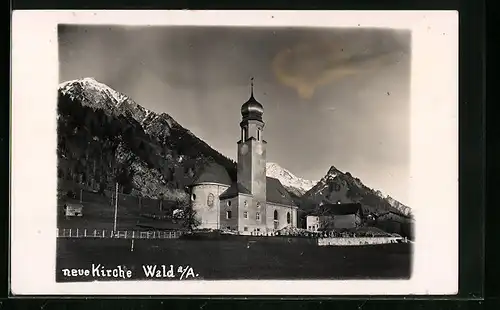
<point x="254" y="203"/>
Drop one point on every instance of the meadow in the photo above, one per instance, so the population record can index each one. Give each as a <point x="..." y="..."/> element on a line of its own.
<point x="238" y="258"/>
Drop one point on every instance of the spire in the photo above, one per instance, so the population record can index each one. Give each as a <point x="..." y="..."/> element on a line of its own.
<point x="251" y="87"/>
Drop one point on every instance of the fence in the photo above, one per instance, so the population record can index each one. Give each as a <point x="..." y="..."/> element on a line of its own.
<point x="358" y="241"/>
<point x="123" y="234"/>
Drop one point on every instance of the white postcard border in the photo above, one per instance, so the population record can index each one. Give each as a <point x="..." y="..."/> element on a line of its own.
<point x="434" y="151"/>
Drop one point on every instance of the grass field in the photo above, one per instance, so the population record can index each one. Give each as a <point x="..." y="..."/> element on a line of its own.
<point x="233" y="259"/>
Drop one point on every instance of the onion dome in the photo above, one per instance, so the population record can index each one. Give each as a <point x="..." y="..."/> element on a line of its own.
<point x="252" y="109"/>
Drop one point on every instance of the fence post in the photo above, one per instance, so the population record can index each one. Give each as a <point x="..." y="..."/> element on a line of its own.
<point x="95" y="231"/>
<point x="70" y="232"/>
<point x="85" y="233"/>
<point x="77" y="233"/>
<point x="57" y="232"/>
<point x="133" y="233"/>
<point x="103" y="231"/>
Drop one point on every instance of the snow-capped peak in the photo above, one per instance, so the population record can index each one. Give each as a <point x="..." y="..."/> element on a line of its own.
<point x="288" y="179"/>
<point x="92" y="83"/>
<point x="100" y="95"/>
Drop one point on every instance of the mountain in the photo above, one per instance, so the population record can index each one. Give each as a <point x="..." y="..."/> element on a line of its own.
<point x="292" y="183"/>
<point x="337" y="186"/>
<point x="104" y="136"/>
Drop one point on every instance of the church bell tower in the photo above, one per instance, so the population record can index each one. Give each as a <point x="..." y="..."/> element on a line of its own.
<point x="252" y="151"/>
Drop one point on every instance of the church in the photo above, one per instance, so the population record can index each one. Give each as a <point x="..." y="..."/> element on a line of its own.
<point x="254" y="204"/>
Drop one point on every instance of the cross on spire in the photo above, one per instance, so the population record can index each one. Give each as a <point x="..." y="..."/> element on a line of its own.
<point x="251" y="86"/>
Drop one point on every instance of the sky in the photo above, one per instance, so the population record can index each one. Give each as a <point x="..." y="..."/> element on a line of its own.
<point x="336" y="96"/>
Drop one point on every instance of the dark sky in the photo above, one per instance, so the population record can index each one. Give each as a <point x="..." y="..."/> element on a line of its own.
<point x="331" y="96"/>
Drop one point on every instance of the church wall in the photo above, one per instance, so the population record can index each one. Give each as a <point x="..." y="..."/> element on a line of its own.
<point x="252" y="224"/>
<point x="231" y="205"/>
<point x="259" y="171"/>
<point x="282" y="216"/>
<point x="205" y="201"/>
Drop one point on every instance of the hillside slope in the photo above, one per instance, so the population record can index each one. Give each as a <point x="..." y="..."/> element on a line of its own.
<point x="105" y="136"/>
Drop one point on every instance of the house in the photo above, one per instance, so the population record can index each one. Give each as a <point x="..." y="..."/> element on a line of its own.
<point x="253" y="204"/>
<point x="335" y="216"/>
<point x="73" y="209"/>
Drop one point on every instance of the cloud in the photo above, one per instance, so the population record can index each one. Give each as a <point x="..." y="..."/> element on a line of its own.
<point x="307" y="66"/>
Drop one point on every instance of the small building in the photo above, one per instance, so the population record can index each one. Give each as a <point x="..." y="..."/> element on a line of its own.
<point x="335" y="216"/>
<point x="73" y="209"/>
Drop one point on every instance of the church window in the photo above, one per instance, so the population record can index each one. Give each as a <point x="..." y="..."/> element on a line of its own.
<point x="257" y="216"/>
<point x="258" y="204"/>
<point x="245" y="204"/>
<point x="245" y="133"/>
<point x="229" y="203"/>
<point x="275" y="215"/>
<point x="245" y="214"/>
<point x="228" y="214"/>
<point x="288" y="218"/>
<point x="193" y="197"/>
<point x="258" y="134"/>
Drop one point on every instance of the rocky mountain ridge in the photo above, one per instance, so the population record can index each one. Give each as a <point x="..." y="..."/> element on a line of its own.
<point x="104" y="136"/>
<point x="339" y="187"/>
<point x="291" y="182"/>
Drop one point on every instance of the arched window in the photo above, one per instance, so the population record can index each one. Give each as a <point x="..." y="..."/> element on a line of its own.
<point x="275" y="215"/>
<point x="245" y="133"/>
<point x="288" y="218"/>
<point x="228" y="214"/>
<point x="258" y="134"/>
<point x="229" y="203"/>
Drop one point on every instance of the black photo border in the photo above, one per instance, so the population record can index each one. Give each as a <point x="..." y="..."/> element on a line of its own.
<point x="472" y="161"/>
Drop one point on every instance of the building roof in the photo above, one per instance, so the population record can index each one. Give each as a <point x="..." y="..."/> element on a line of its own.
<point x="275" y="192"/>
<point x="338" y="209"/>
<point x="73" y="205"/>
<point x="213" y="173"/>
<point x="234" y="190"/>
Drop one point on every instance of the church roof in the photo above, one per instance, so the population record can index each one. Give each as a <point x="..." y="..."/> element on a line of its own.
<point x="213" y="173"/>
<point x="275" y="192"/>
<point x="252" y="109"/>
<point x="234" y="190"/>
